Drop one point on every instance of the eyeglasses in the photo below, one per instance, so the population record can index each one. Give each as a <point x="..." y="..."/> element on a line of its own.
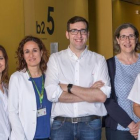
<point x="75" y="31"/>
<point x="130" y="37"/>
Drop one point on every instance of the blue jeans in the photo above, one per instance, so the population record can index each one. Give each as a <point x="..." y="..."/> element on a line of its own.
<point x="76" y="131"/>
<point x="118" y="135"/>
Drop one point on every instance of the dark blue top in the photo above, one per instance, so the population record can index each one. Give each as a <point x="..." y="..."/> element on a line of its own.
<point x="43" y="122"/>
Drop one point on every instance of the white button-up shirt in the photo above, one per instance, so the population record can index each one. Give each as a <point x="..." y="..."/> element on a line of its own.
<point x="4" y="120"/>
<point x="134" y="94"/>
<point x="65" y="67"/>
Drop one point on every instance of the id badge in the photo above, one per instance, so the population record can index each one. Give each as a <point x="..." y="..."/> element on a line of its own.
<point x="41" y="112"/>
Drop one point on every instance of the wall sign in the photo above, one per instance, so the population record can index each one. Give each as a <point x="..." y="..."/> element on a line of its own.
<point x="42" y="28"/>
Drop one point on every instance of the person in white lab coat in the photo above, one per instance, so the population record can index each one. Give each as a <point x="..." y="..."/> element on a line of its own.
<point x="29" y="108"/>
<point x="4" y="120"/>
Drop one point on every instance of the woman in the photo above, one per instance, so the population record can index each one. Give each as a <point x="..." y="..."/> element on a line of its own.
<point x="121" y="122"/>
<point x="4" y="121"/>
<point x="29" y="108"/>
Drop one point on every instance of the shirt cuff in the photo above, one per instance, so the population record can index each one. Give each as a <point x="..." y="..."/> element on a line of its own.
<point x="106" y="90"/>
<point x="53" y="95"/>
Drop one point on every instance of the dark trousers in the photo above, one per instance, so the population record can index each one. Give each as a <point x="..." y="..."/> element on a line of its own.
<point x="42" y="139"/>
<point x="118" y="135"/>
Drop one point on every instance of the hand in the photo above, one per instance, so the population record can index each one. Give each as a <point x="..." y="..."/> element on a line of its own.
<point x="97" y="84"/>
<point x="63" y="87"/>
<point x="134" y="128"/>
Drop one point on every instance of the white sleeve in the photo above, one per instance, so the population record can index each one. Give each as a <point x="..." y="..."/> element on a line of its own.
<point x="13" y="108"/>
<point x="102" y="74"/>
<point x="53" y="90"/>
<point x="3" y="122"/>
<point x="135" y="91"/>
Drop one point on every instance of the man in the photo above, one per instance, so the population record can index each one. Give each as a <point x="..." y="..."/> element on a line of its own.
<point x="77" y="83"/>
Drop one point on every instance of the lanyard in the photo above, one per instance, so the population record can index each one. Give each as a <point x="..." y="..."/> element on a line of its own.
<point x="41" y="94"/>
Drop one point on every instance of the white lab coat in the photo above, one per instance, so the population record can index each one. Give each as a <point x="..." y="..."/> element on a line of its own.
<point x="4" y="119"/>
<point x="22" y="107"/>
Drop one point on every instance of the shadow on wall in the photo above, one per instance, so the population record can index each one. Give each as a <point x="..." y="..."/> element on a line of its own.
<point x="92" y="25"/>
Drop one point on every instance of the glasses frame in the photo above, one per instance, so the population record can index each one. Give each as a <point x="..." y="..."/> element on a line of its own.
<point x="77" y="31"/>
<point x="130" y="37"/>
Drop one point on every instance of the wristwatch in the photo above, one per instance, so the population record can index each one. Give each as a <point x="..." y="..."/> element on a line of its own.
<point x="69" y="87"/>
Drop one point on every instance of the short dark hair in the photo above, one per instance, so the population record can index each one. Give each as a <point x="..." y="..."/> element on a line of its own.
<point x="5" y="77"/>
<point x="76" y="19"/>
<point x="117" y="35"/>
<point x="19" y="53"/>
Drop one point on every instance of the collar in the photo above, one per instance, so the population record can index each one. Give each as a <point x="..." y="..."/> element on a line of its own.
<point x="71" y="54"/>
<point x="24" y="71"/>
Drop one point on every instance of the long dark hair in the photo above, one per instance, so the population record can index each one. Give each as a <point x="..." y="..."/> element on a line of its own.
<point x="5" y="76"/>
<point x="22" y="63"/>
